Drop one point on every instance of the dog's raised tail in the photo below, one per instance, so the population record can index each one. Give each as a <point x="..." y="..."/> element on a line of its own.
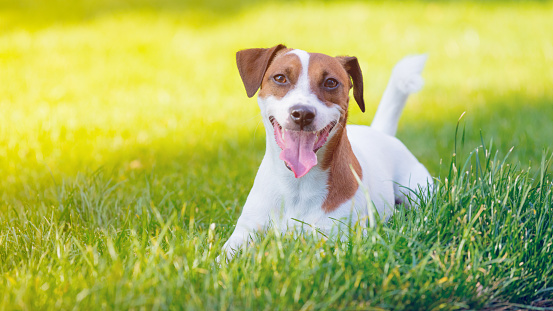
<point x="405" y="80"/>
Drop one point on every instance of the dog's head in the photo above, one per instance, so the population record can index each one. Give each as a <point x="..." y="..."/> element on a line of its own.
<point x="303" y="96"/>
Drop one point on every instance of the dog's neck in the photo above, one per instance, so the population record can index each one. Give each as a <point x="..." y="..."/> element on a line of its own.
<point x="335" y="162"/>
<point x="339" y="160"/>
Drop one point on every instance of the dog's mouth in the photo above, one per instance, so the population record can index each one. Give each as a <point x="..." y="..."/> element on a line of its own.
<point x="299" y="147"/>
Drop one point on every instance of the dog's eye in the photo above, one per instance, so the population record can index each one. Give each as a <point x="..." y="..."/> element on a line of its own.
<point x="280" y="79"/>
<point x="330" y="83"/>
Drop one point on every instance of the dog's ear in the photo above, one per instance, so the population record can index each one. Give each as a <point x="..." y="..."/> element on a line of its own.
<point x="252" y="64"/>
<point x="351" y="65"/>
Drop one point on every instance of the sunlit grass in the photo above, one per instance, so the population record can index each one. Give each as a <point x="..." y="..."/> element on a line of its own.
<point x="118" y="120"/>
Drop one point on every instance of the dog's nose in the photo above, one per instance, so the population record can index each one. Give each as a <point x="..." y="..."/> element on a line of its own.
<point x="302" y="115"/>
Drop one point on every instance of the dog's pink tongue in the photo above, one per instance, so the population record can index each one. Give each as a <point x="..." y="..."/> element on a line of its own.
<point x="298" y="151"/>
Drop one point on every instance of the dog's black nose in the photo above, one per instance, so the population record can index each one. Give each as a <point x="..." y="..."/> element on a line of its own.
<point x="302" y="115"/>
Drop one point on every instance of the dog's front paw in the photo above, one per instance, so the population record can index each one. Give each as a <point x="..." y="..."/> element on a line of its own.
<point x="229" y="249"/>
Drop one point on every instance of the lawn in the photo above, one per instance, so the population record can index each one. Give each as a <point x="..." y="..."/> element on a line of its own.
<point x="128" y="146"/>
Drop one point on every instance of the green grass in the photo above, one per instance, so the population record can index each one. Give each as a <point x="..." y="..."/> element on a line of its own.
<point x="125" y="133"/>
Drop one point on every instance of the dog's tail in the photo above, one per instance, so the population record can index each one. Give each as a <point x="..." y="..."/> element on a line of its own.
<point x="405" y="80"/>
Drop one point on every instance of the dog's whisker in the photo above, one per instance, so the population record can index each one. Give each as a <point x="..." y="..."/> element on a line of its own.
<point x="339" y="124"/>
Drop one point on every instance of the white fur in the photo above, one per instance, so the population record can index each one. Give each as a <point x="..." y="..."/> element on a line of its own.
<point x="301" y="94"/>
<point x="277" y="197"/>
<point x="405" y="80"/>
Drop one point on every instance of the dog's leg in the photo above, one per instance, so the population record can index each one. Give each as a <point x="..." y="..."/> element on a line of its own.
<point x="252" y="219"/>
<point x="405" y="80"/>
<point x="410" y="187"/>
<point x="240" y="235"/>
<point x="256" y="212"/>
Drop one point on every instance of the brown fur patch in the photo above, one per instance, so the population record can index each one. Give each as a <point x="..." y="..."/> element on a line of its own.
<point x="252" y="65"/>
<point x="288" y="65"/>
<point x="351" y="65"/>
<point x="322" y="67"/>
<point x="338" y="157"/>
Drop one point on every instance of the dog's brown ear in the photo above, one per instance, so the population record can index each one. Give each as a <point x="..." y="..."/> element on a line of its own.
<point x="252" y="64"/>
<point x="351" y="65"/>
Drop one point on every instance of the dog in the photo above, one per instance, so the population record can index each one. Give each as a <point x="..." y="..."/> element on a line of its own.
<point x="316" y="169"/>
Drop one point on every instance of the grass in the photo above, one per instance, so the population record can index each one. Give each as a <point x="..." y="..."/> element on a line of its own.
<point x="125" y="133"/>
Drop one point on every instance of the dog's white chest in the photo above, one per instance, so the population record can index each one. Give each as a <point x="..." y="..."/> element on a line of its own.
<point x="298" y="199"/>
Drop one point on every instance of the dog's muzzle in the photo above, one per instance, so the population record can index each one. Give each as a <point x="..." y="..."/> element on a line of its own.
<point x="299" y="147"/>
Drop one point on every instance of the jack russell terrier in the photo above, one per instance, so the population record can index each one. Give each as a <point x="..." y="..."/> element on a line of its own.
<point x="308" y="173"/>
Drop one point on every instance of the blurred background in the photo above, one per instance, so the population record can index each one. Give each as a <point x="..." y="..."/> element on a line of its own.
<point x="142" y="88"/>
